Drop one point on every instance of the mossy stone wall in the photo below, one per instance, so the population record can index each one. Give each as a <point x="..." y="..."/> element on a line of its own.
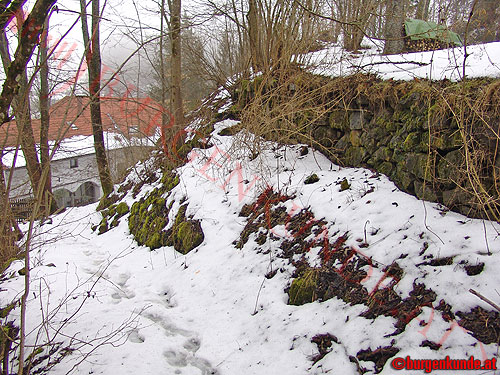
<point x="423" y="135"/>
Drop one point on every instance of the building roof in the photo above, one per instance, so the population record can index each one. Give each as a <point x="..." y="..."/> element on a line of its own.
<point x="70" y="117"/>
<point x="126" y="122"/>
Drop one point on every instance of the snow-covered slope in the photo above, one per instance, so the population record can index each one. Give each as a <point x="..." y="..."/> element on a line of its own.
<point x="128" y="310"/>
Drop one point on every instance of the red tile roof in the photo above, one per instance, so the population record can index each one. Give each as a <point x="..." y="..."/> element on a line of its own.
<point x="70" y="116"/>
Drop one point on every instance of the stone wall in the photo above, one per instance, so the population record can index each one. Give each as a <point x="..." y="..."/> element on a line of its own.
<point x="435" y="140"/>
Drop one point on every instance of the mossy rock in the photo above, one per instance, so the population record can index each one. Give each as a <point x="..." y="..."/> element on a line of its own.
<point x="149" y="216"/>
<point x="342" y="144"/>
<point x="368" y="142"/>
<point x="356" y="155"/>
<point x="419" y="165"/>
<point x="383" y="121"/>
<point x="424" y="191"/>
<point x="303" y="289"/>
<point x="412" y="142"/>
<point x="339" y="119"/>
<point x="103" y="226"/>
<point x="383" y="153"/>
<point x="122" y="209"/>
<point x="111" y="217"/>
<point x="155" y="241"/>
<point x="456" y="197"/>
<point x="311" y="179"/>
<point x="377" y="133"/>
<point x="355" y="138"/>
<point x="186" y="234"/>
<point x="396" y="142"/>
<point x="107" y="201"/>
<point x="448" y="141"/>
<point x="402" y="178"/>
<point x="385" y="168"/>
<point x="413" y="122"/>
<point x="344" y="185"/>
<point x="358" y="120"/>
<point x="169" y="181"/>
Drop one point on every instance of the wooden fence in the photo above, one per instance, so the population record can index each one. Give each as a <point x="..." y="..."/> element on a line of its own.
<point x="21" y="208"/>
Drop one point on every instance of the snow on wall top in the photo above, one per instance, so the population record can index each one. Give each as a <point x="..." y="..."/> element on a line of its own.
<point x="483" y="61"/>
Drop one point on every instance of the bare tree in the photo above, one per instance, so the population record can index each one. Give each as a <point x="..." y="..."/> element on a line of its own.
<point x="176" y="105"/>
<point x="22" y="112"/>
<point x="44" y="115"/>
<point x="93" y="58"/>
<point x="355" y="17"/>
<point x="30" y="33"/>
<point x="422" y="11"/>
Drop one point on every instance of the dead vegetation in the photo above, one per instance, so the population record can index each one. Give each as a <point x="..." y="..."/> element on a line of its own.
<point x="341" y="275"/>
<point x="436" y="140"/>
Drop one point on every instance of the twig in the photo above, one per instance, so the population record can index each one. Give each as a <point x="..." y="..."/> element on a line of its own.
<point x="492" y="304"/>
<point x="393" y="63"/>
<point x="425" y="223"/>
<point x="486" y="238"/>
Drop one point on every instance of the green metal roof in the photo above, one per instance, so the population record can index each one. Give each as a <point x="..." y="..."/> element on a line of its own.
<point x="419" y="29"/>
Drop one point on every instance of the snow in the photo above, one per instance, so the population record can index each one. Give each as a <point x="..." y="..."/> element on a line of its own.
<point x="130" y="310"/>
<point x="482" y="61"/>
<point x="79" y="145"/>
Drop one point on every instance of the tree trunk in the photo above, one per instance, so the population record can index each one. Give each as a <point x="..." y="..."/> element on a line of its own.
<point x="176" y="105"/>
<point x="9" y="230"/>
<point x="30" y="33"/>
<point x="93" y="57"/>
<point x="163" y="77"/>
<point x="44" y="119"/>
<point x="394" y="32"/>
<point x="254" y="36"/>
<point x="22" y="113"/>
<point x="423" y="10"/>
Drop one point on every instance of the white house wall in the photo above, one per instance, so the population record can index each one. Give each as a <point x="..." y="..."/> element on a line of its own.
<point x="71" y="178"/>
<point x="63" y="176"/>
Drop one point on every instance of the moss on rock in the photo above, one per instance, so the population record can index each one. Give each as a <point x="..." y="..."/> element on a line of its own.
<point x="344" y="185"/>
<point x="122" y="209"/>
<point x="149" y="216"/>
<point x="339" y="119"/>
<point x="303" y="288"/>
<point x="311" y="179"/>
<point x="111" y="217"/>
<point x="186" y="234"/>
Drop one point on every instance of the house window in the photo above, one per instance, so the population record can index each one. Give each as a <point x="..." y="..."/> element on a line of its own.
<point x="133" y="130"/>
<point x="73" y="163"/>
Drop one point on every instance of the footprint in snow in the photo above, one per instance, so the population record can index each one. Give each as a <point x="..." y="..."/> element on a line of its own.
<point x="182" y="359"/>
<point x="123" y="278"/>
<point x="185" y="356"/>
<point x="122" y="290"/>
<point x="169" y="328"/>
<point x="166" y="298"/>
<point x="192" y="344"/>
<point x="135" y="337"/>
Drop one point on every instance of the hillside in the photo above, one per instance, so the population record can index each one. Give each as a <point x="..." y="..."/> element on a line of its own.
<point x="304" y="267"/>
